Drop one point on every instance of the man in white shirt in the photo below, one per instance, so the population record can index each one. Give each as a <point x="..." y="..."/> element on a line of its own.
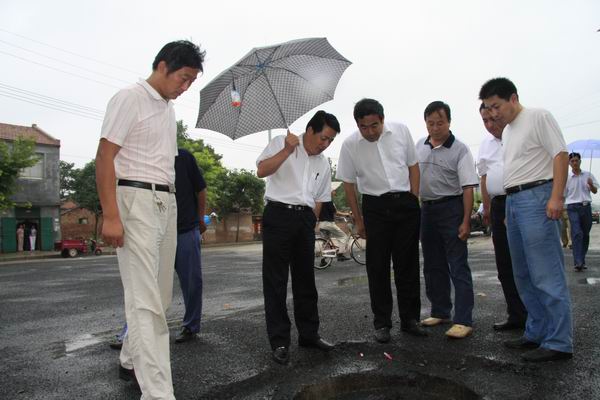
<point x="298" y="181"/>
<point x="579" y="207"/>
<point x="491" y="169"/>
<point x="535" y="173"/>
<point x="135" y="177"/>
<point x="379" y="159"/>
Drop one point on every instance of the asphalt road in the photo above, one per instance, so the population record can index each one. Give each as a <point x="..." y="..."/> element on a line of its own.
<point x="57" y="315"/>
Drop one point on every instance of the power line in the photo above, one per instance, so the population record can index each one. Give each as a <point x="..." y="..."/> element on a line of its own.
<point x="46" y="105"/>
<point x="581" y="124"/>
<point x="42" y="97"/>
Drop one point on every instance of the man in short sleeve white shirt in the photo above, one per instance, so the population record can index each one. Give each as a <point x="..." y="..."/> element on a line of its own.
<point x="490" y="165"/>
<point x="380" y="160"/>
<point x="298" y="181"/>
<point x="535" y="173"/>
<point x="578" y="201"/>
<point x="135" y="178"/>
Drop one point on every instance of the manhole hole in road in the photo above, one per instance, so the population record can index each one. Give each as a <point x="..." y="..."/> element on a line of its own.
<point x="386" y="387"/>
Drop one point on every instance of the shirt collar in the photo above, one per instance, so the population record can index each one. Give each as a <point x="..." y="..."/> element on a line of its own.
<point x="151" y="91"/>
<point x="386" y="131"/>
<point x="447" y="144"/>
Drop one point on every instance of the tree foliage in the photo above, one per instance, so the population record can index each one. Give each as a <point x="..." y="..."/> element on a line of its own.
<point x="227" y="191"/>
<point x="13" y="159"/>
<point x="84" y="190"/>
<point x="68" y="173"/>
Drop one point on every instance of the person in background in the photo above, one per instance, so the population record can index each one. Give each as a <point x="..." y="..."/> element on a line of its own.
<point x="20" y="237"/>
<point x="578" y="200"/>
<point x="490" y="165"/>
<point x="327" y="223"/>
<point x="535" y="173"/>
<point x="565" y="229"/>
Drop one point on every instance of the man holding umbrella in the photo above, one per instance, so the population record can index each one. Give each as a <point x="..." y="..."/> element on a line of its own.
<point x="298" y="181"/>
<point x="579" y="207"/>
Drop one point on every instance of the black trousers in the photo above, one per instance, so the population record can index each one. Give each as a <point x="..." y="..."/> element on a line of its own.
<point x="514" y="306"/>
<point x="289" y="245"/>
<point x="392" y="225"/>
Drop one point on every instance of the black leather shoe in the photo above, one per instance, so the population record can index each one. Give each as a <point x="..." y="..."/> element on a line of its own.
<point x="127" y="375"/>
<point x="412" y="327"/>
<point x="281" y="355"/>
<point x="521" y="343"/>
<point x="185" y="335"/>
<point x="507" y="326"/>
<point x="382" y="335"/>
<point x="318" y="343"/>
<point x="541" y="354"/>
<point x="342" y="258"/>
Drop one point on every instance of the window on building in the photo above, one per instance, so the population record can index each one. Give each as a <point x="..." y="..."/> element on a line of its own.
<point x="83" y="221"/>
<point x="36" y="171"/>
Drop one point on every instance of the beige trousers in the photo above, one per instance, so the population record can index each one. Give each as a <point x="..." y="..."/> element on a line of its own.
<point x="146" y="264"/>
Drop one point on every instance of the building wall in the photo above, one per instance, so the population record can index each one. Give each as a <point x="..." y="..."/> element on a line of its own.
<point x="45" y="191"/>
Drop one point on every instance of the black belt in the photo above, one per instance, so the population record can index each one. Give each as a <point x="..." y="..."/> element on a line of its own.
<point x="525" y="186"/>
<point x="500" y="197"/>
<point x="441" y="200"/>
<point x="294" y="207"/>
<point x="146" y="185"/>
<point x="582" y="204"/>
<point x="393" y="195"/>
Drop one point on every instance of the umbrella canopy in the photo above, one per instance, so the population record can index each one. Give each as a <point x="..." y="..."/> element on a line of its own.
<point x="276" y="85"/>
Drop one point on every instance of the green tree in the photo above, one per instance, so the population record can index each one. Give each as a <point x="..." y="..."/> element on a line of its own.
<point x="13" y="159"/>
<point x="209" y="162"/>
<point x="67" y="178"/>
<point x="84" y="191"/>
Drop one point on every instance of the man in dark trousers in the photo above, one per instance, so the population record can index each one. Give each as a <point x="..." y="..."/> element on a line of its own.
<point x="298" y="181"/>
<point x="379" y="160"/>
<point x="490" y="165"/>
<point x="191" y="206"/>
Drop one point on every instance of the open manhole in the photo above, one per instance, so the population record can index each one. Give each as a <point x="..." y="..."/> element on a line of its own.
<point x="363" y="386"/>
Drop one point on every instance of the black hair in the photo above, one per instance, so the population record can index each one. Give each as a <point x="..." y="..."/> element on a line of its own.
<point x="574" y="154"/>
<point x="481" y="106"/>
<point x="501" y="87"/>
<point x="367" y="107"/>
<point x="435" y="106"/>
<point x="322" y="118"/>
<point x="180" y="54"/>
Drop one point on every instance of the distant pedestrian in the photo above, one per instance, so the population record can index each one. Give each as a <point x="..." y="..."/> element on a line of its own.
<point x="135" y="177"/>
<point x="298" y="181"/>
<point x="535" y="173"/>
<point x="490" y="164"/>
<point x="448" y="177"/>
<point x="32" y="238"/>
<point x="20" y="237"/>
<point x="327" y="223"/>
<point x="579" y="208"/>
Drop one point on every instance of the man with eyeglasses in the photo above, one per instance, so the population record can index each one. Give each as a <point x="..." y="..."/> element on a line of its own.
<point x="578" y="201"/>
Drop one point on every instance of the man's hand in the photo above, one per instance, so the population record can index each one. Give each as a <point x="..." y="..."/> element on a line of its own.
<point x="360" y="228"/>
<point x="112" y="232"/>
<point x="486" y="215"/>
<point x="463" y="230"/>
<point x="291" y="142"/>
<point x="554" y="208"/>
<point x="202" y="226"/>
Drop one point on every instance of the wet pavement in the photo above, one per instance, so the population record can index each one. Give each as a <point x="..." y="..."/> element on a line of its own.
<point x="57" y="316"/>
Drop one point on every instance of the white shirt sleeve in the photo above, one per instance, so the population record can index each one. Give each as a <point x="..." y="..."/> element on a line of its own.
<point x="481" y="165"/>
<point x="346" y="171"/>
<point x="467" y="176"/>
<point x="120" y="117"/>
<point x="275" y="146"/>
<point x="411" y="151"/>
<point x="550" y="135"/>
